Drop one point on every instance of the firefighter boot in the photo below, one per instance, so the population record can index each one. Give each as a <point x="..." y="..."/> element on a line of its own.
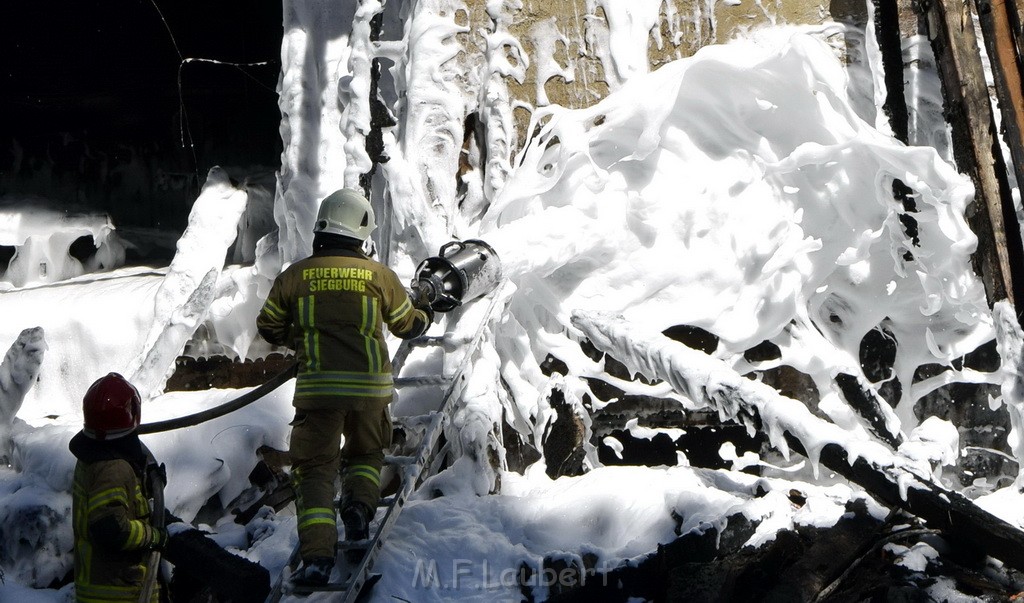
<point x="356" y="517"/>
<point x="315" y="572"/>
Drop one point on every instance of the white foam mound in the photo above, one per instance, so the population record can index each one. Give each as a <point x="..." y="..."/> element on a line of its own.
<point x="42" y="237"/>
<point x="740" y="192"/>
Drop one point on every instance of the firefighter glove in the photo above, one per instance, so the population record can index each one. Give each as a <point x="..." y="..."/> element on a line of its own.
<point x="160" y="538"/>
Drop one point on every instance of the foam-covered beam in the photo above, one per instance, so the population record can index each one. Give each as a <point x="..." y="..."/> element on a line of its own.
<point x="890" y="478"/>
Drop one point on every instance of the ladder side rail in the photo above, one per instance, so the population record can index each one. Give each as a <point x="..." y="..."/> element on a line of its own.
<point x="415" y="471"/>
<point x="410" y="479"/>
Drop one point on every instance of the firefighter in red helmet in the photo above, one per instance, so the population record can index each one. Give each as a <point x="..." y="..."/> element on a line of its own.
<point x="114" y="479"/>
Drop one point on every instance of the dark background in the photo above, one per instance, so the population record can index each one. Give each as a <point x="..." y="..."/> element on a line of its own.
<point x="91" y="113"/>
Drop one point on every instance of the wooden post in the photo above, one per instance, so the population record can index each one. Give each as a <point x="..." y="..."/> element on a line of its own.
<point x="976" y="148"/>
<point x="996" y="18"/>
<point x="380" y="117"/>
<point x="887" y="33"/>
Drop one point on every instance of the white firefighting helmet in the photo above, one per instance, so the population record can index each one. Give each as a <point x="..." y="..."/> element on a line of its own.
<point x="346" y="212"/>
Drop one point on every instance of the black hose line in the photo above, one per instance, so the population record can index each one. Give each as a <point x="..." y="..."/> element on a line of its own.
<point x="219" y="411"/>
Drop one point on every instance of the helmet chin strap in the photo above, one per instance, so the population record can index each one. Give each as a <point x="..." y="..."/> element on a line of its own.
<point x="103" y="436"/>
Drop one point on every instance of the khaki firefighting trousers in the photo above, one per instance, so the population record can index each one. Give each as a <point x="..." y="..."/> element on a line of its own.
<point x="316" y="460"/>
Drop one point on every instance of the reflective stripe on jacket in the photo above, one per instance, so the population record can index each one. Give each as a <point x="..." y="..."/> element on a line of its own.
<point x="330" y="308"/>
<point x="113" y="535"/>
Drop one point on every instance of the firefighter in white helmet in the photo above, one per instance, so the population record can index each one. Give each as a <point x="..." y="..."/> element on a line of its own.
<point x="330" y="308"/>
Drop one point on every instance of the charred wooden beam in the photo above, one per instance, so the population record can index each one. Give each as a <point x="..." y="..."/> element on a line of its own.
<point x="1015" y="10"/>
<point x="860" y="395"/>
<point x="995" y="19"/>
<point x="828" y="555"/>
<point x="380" y="117"/>
<point x="975" y="147"/>
<point x="869" y="405"/>
<point x="1002" y="43"/>
<point x="654" y="412"/>
<point x="714" y="564"/>
<point x="789" y="425"/>
<point x="887" y="32"/>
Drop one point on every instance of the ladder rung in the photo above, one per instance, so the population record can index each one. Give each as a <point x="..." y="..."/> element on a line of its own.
<point x="413" y="421"/>
<point x="422" y="380"/>
<point x="426" y="340"/>
<point x="329" y="587"/>
<point x="399" y="460"/>
<point x="358" y="545"/>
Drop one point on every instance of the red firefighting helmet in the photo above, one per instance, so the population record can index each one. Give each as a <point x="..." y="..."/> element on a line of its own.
<point x="112" y="408"/>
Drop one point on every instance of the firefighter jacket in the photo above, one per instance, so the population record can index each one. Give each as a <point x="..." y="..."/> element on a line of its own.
<point x="111" y="519"/>
<point x="330" y="308"/>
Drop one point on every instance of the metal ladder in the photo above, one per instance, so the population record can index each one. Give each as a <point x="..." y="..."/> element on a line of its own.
<point x="357" y="577"/>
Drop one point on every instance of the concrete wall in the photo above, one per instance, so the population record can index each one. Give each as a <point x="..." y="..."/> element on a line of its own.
<point x="684" y="27"/>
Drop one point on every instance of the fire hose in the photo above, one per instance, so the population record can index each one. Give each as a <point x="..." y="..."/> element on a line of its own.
<point x="219" y="411"/>
<point x="194" y="544"/>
